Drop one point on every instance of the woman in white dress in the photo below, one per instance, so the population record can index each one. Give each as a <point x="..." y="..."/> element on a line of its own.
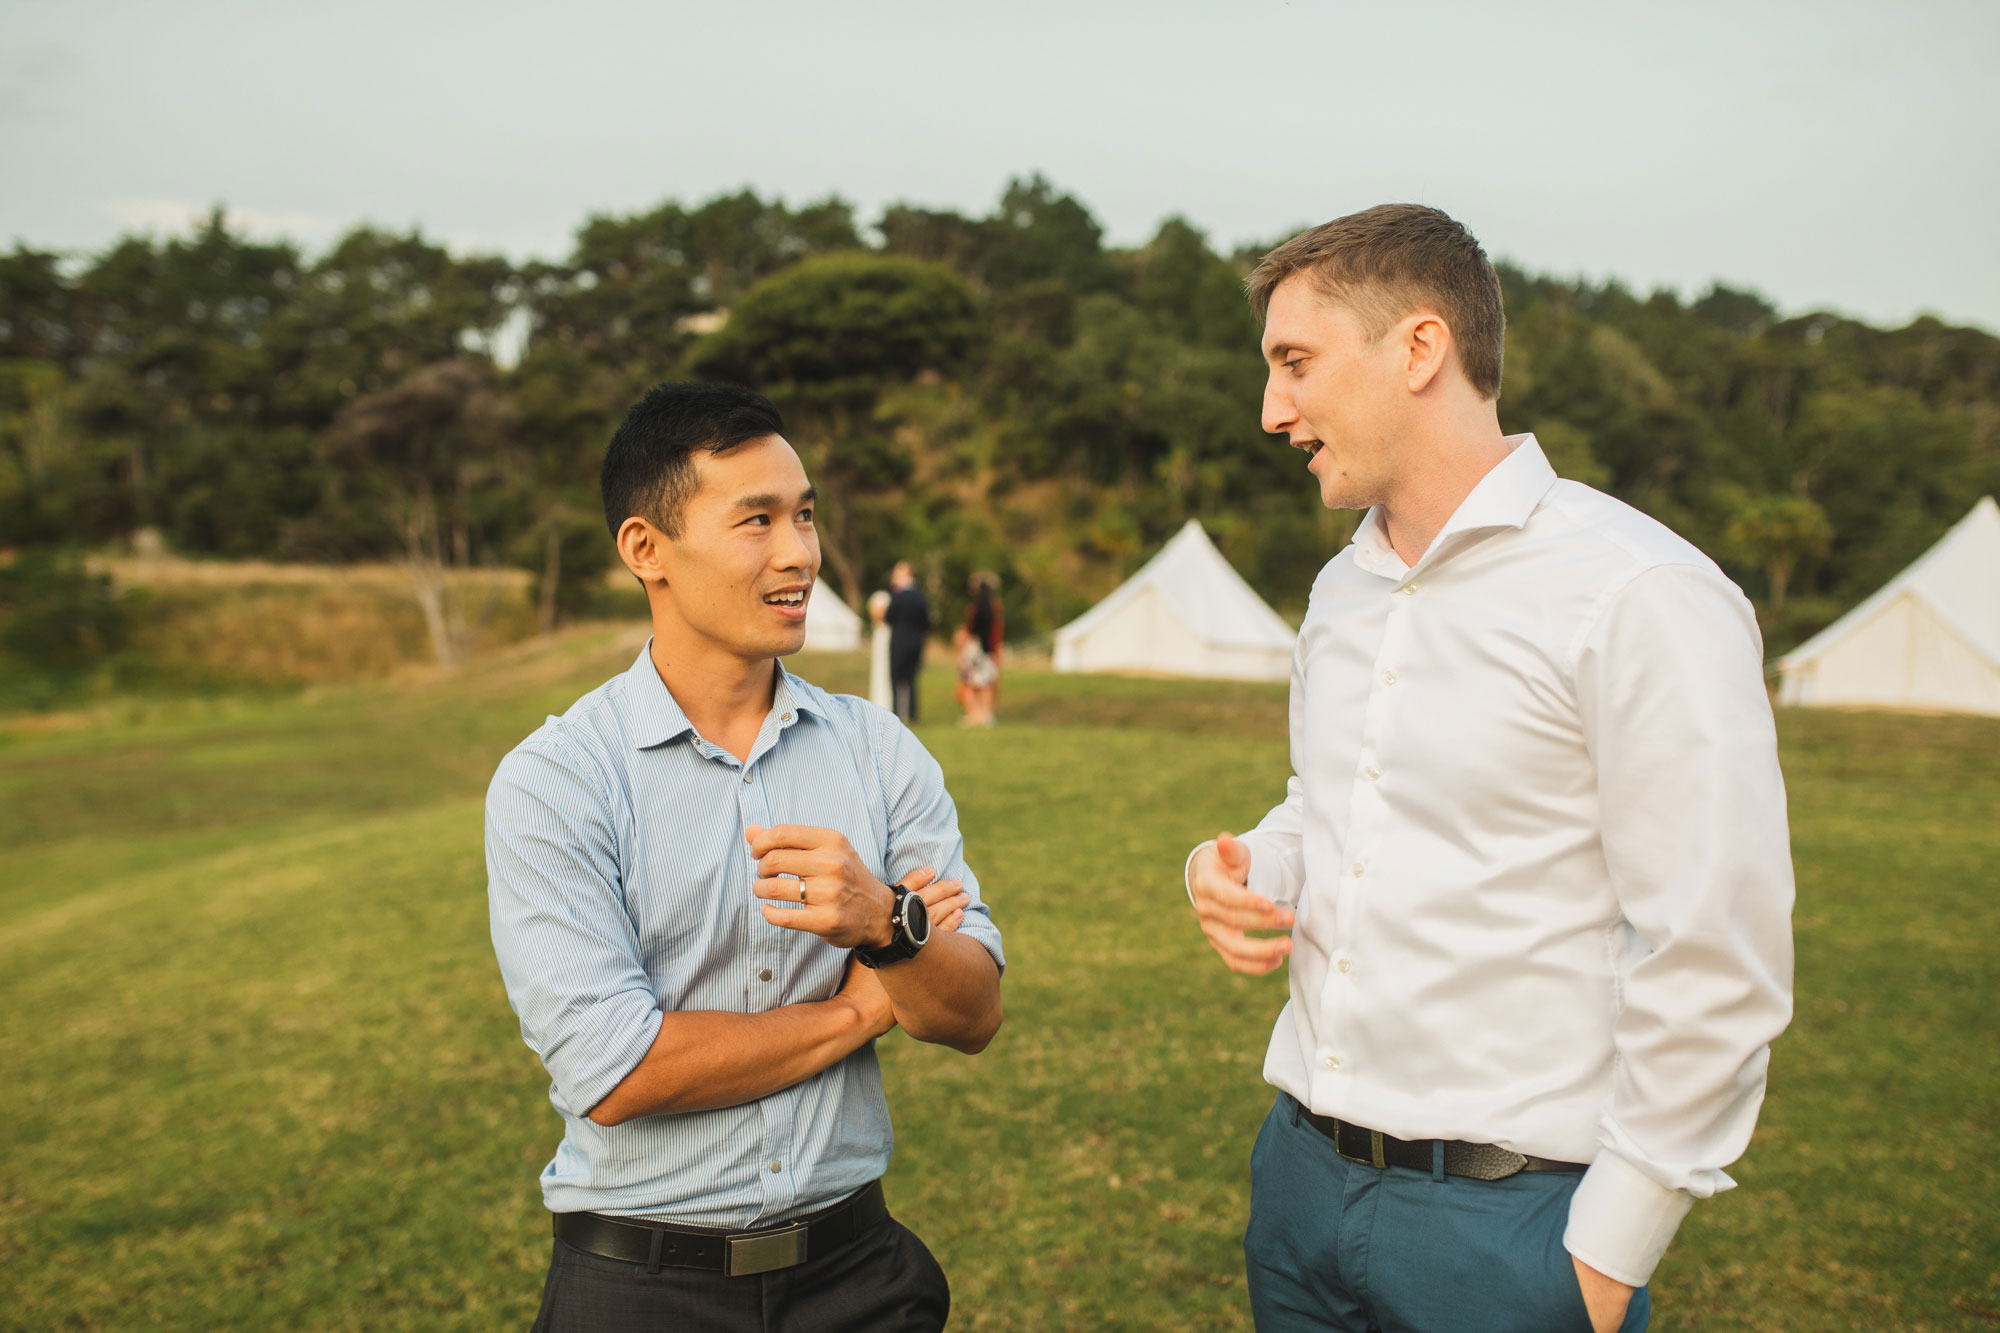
<point x="878" y="652"/>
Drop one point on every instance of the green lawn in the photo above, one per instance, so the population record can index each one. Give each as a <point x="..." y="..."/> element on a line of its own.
<point x="257" y="1071"/>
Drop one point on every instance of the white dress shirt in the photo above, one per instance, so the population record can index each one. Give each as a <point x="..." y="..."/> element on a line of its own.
<point x="1537" y="846"/>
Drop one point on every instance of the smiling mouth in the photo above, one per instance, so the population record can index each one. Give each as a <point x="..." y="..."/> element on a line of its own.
<point x="1310" y="447"/>
<point x="792" y="598"/>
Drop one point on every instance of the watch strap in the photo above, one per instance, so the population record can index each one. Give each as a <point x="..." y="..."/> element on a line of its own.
<point x="900" y="945"/>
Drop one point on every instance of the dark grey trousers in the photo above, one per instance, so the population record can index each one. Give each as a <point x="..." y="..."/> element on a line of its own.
<point x="882" y="1279"/>
<point x="904" y="664"/>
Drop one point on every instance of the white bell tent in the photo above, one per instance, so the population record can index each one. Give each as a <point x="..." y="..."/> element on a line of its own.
<point x="831" y="625"/>
<point x="1930" y="638"/>
<point x="1185" y="613"/>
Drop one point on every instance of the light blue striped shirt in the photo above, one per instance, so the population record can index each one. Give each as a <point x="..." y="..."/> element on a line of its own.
<point x="619" y="885"/>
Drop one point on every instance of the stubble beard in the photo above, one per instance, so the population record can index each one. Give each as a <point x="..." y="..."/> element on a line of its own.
<point x="1342" y="488"/>
<point x="1338" y="490"/>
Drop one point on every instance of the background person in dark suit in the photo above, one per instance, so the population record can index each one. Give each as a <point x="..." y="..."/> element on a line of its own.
<point x="909" y="620"/>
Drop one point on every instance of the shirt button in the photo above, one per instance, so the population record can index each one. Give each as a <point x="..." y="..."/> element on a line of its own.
<point x="1409" y="589"/>
<point x="1357" y="870"/>
<point x="1346" y="965"/>
<point x="1374" y="773"/>
<point x="1332" y="1063"/>
<point x="777" y="1166"/>
<point x="786" y="718"/>
<point x="765" y="975"/>
<point x="746" y="778"/>
<point x="1388" y="678"/>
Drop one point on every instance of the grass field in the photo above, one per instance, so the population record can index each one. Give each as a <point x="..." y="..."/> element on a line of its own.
<point x="257" y="1070"/>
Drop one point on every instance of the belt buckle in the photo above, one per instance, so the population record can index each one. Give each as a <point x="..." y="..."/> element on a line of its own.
<point x="765" y="1251"/>
<point x="1374" y="1157"/>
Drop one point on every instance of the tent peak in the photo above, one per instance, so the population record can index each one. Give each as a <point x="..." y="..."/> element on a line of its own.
<point x="1185" y="612"/>
<point x="1929" y="637"/>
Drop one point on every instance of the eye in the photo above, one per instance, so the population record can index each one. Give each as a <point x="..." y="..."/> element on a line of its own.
<point x="805" y="516"/>
<point x="1294" y="364"/>
<point x="765" y="519"/>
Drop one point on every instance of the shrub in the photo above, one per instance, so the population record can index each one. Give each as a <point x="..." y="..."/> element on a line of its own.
<point x="56" y="616"/>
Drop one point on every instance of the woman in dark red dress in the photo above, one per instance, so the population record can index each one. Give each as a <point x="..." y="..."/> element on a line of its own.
<point x="978" y="642"/>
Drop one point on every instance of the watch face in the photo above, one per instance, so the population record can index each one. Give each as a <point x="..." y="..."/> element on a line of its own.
<point x="917" y="919"/>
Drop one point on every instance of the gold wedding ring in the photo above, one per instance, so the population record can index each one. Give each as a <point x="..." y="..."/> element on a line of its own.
<point x="802" y="893"/>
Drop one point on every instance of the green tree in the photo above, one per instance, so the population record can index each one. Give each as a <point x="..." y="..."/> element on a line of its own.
<point x="1740" y="312"/>
<point x="1890" y="471"/>
<point x="37" y="308"/>
<point x="1775" y="533"/>
<point x="57" y="618"/>
<point x="941" y="237"/>
<point x="178" y="332"/>
<point x="565" y="407"/>
<point x="1044" y="235"/>
<point x="1002" y="391"/>
<point x="1192" y="292"/>
<point x="416" y="461"/>
<point x="45" y="474"/>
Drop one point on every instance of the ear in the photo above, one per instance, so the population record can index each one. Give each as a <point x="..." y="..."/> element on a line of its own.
<point x="643" y="549"/>
<point x="1427" y="341"/>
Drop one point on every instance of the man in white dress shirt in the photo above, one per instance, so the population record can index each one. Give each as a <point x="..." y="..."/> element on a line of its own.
<point x="1532" y="872"/>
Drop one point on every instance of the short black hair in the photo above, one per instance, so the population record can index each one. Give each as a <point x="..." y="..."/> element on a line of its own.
<point x="649" y="468"/>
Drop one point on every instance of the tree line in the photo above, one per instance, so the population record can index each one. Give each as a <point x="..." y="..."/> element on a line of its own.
<point x="1002" y="393"/>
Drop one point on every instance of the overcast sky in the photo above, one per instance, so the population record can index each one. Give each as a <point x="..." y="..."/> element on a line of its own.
<point x="1829" y="154"/>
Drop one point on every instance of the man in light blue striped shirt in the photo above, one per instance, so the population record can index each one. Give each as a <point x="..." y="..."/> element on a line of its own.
<point x="711" y="887"/>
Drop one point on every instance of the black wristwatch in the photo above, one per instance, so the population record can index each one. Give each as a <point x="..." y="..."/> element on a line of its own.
<point x="909" y="930"/>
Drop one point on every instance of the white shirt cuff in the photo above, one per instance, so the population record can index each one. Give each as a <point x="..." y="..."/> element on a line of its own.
<point x="1621" y="1219"/>
<point x="1264" y="875"/>
<point x="1187" y="870"/>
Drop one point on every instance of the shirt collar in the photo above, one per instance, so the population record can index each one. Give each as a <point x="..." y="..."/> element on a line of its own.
<point x="795" y="695"/>
<point x="657" y="717"/>
<point x="1506" y="497"/>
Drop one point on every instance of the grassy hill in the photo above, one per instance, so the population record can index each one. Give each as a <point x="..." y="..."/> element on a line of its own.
<point x="259" y="1071"/>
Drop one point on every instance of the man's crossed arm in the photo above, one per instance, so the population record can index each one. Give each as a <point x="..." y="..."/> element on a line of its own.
<point x="949" y="993"/>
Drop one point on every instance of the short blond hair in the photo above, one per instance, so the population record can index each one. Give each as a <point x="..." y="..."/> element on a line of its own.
<point x="1385" y="263"/>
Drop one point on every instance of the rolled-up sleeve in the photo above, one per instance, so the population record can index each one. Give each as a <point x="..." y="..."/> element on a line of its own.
<point x="568" y="952"/>
<point x="923" y="826"/>
<point x="1670" y="687"/>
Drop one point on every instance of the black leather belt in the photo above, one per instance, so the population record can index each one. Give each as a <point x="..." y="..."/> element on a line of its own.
<point x="1477" y="1161"/>
<point x="735" y="1253"/>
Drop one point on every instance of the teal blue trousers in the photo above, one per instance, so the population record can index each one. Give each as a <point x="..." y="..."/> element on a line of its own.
<point x="1341" y="1245"/>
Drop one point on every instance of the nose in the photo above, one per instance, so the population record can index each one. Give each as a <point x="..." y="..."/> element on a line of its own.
<point x="801" y="552"/>
<point x="1279" y="411"/>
